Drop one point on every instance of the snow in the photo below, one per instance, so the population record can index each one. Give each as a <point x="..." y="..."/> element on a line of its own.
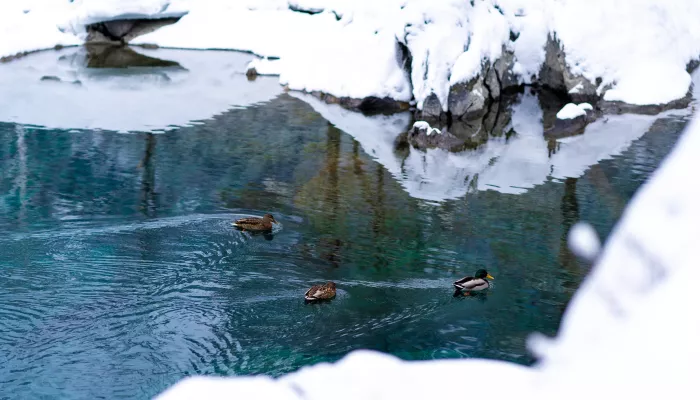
<point x="571" y="111"/>
<point x="585" y="106"/>
<point x="422" y="125"/>
<point x="265" y="66"/>
<point x="30" y="26"/>
<point x="584" y="241"/>
<point x="350" y="49"/>
<point x="134" y="99"/>
<point x="86" y="12"/>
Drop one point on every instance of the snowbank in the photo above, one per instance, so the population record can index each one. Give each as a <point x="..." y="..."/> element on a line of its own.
<point x="634" y="51"/>
<point x="72" y="96"/>
<point x="607" y="343"/>
<point x="29" y="26"/>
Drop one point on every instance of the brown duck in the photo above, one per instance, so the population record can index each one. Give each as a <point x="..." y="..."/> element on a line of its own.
<point x="255" y="224"/>
<point x="321" y="292"/>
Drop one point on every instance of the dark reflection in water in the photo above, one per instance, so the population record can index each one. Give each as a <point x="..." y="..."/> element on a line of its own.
<point x="120" y="272"/>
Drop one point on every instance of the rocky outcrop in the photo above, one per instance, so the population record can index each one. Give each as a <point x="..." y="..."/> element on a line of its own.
<point x="618" y="107"/>
<point x="556" y="75"/>
<point x="469" y="100"/>
<point x="422" y="136"/>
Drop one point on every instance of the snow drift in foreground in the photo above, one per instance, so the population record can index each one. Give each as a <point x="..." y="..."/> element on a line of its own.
<point x="635" y="51"/>
<point x="607" y="342"/>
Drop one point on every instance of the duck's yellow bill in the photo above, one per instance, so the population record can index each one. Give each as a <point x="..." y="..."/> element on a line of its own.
<point x="489" y="276"/>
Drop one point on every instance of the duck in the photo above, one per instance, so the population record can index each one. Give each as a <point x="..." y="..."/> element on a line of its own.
<point x="320" y="292"/>
<point x="255" y="224"/>
<point x="476" y="283"/>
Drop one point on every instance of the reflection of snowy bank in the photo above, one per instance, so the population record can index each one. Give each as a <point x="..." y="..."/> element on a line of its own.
<point x="192" y="86"/>
<point x="510" y="164"/>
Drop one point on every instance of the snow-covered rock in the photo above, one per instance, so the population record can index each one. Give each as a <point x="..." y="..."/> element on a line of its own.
<point x="571" y="111"/>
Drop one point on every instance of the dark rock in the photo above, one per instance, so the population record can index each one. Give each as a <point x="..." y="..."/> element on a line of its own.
<point x="468" y="100"/>
<point x="251" y="73"/>
<point x="432" y="109"/>
<point x="618" y="107"/>
<point x="50" y="78"/>
<point x="368" y="105"/>
<point x="119" y="28"/>
<point x="570" y="127"/>
<point x="294" y="6"/>
<point x="556" y="75"/>
<point x="422" y="136"/>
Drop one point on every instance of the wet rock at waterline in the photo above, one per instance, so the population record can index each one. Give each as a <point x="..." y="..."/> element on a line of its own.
<point x="422" y="136"/>
<point x="571" y="120"/>
<point x="368" y="105"/>
<point x="618" y="107"/>
<point x="556" y="75"/>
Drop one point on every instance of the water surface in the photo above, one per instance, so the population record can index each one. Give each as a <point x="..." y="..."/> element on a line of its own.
<point x="120" y="272"/>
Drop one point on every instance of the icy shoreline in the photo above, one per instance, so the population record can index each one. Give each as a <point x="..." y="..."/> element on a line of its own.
<point x="449" y="57"/>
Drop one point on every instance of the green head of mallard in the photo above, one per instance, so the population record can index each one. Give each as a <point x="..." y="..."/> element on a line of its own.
<point x="481" y="274"/>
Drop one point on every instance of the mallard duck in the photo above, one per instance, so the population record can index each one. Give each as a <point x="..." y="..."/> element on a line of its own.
<point x="475" y="283"/>
<point x="320" y="292"/>
<point x="255" y="224"/>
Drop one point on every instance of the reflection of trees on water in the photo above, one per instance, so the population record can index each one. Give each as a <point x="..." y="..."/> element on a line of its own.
<point x="148" y="201"/>
<point x="570" y="215"/>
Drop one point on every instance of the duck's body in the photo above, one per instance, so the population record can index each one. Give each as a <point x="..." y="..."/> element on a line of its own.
<point x="320" y="292"/>
<point x="255" y="224"/>
<point x="477" y="282"/>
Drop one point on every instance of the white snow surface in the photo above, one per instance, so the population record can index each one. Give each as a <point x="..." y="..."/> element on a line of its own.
<point x="584" y="241"/>
<point x="638" y="48"/>
<point x="125" y="100"/>
<point x="265" y="66"/>
<point x="608" y="343"/>
<point x="571" y="111"/>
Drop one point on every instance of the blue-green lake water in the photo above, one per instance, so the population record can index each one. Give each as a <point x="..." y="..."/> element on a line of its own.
<point x="120" y="272"/>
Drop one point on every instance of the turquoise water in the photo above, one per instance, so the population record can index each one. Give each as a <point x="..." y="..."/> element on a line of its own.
<point x="120" y="272"/>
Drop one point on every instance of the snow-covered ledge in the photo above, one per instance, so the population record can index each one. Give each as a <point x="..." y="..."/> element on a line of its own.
<point x="631" y="330"/>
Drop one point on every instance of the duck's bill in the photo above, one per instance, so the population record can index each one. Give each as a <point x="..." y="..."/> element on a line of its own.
<point x="489" y="276"/>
